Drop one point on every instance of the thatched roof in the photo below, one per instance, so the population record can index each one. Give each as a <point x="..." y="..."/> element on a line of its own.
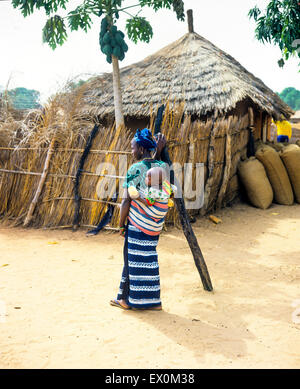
<point x="191" y="69"/>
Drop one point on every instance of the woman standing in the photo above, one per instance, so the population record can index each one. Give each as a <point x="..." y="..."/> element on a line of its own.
<point x="140" y="282"/>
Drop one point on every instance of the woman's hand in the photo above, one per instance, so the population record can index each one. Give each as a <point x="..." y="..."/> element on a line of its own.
<point x="124" y="211"/>
<point x="161" y="144"/>
<point x="122" y="231"/>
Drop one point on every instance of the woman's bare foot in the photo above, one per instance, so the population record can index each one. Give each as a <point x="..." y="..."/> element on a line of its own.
<point x="119" y="303"/>
<point x="123" y="303"/>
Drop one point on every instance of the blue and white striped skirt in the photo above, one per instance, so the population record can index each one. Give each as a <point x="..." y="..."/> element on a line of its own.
<point x="140" y="283"/>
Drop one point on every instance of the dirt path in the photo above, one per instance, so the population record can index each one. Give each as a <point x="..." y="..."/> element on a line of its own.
<point x="56" y="285"/>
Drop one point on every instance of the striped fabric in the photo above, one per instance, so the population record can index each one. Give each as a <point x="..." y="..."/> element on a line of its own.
<point x="148" y="219"/>
<point x="140" y="282"/>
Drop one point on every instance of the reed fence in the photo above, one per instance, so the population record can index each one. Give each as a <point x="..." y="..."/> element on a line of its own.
<point x="41" y="155"/>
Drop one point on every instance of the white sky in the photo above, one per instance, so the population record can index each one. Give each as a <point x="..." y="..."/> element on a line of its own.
<point x="27" y="62"/>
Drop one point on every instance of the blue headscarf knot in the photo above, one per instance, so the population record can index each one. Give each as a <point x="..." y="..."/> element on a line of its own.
<point x="144" y="138"/>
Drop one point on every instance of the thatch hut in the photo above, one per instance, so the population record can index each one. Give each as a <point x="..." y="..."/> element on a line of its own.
<point x="191" y="70"/>
<point x="212" y="104"/>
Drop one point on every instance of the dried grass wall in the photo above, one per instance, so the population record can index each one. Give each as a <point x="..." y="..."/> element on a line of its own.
<point x="218" y="145"/>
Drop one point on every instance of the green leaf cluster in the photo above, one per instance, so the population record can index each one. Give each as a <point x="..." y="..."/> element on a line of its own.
<point x="279" y="24"/>
<point x="111" y="39"/>
<point x="54" y="32"/>
<point x="139" y="29"/>
<point x="80" y="18"/>
<point x="177" y="5"/>
<point x="23" y="98"/>
<point x="27" y="7"/>
<point x="291" y="96"/>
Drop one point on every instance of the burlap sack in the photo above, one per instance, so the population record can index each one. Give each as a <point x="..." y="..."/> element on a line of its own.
<point x="254" y="178"/>
<point x="276" y="145"/>
<point x="290" y="156"/>
<point x="277" y="174"/>
<point x="257" y="144"/>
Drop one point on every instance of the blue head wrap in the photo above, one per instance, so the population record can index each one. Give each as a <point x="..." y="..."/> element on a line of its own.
<point x="144" y="138"/>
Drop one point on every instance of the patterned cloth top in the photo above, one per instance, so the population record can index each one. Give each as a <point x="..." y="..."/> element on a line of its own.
<point x="137" y="173"/>
<point x="162" y="194"/>
<point x="148" y="219"/>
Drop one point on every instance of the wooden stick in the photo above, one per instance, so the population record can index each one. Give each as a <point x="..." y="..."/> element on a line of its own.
<point x="41" y="185"/>
<point x="60" y="175"/>
<point x="20" y="172"/>
<point x="78" y="174"/>
<point x="66" y="150"/>
<point x="84" y="199"/>
<point x="226" y="173"/>
<point x="105" y="227"/>
<point x="83" y="225"/>
<point x="190" y="20"/>
<point x="186" y="225"/>
<point x="251" y="118"/>
<point x="100" y="175"/>
<point x="211" y="165"/>
<point x="265" y="128"/>
<point x="189" y="233"/>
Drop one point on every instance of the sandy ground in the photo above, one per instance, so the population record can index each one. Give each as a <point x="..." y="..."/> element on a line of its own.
<point x="56" y="287"/>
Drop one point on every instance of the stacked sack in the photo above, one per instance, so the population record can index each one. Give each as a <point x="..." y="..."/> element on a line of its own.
<point x="277" y="174"/>
<point x="290" y="156"/>
<point x="271" y="175"/>
<point x="254" y="178"/>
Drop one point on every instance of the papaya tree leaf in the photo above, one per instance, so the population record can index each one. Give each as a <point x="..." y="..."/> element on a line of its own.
<point x="54" y="32"/>
<point x="139" y="29"/>
<point x="27" y="7"/>
<point x="279" y="24"/>
<point x="80" y="18"/>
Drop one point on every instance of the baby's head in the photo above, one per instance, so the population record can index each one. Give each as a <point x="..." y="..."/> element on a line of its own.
<point x="155" y="176"/>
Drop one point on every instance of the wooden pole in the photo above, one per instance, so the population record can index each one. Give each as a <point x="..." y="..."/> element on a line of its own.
<point x="227" y="169"/>
<point x="251" y="118"/>
<point x="41" y="184"/>
<point x="251" y="128"/>
<point x="210" y="165"/>
<point x="66" y="150"/>
<point x="189" y="233"/>
<point x="184" y="218"/>
<point x="20" y="172"/>
<point x="60" y="175"/>
<point x="265" y="127"/>
<point x="77" y="197"/>
<point x="190" y="20"/>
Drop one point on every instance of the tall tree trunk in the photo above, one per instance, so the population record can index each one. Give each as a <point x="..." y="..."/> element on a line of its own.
<point x="117" y="93"/>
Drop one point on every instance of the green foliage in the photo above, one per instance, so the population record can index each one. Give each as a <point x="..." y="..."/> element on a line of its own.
<point x="22" y="98"/>
<point x="139" y="29"/>
<point x="75" y="84"/>
<point x="177" y="5"/>
<point x="27" y="6"/>
<point x="111" y="40"/>
<point x="291" y="96"/>
<point x="80" y="18"/>
<point x="54" y="32"/>
<point x="279" y="24"/>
